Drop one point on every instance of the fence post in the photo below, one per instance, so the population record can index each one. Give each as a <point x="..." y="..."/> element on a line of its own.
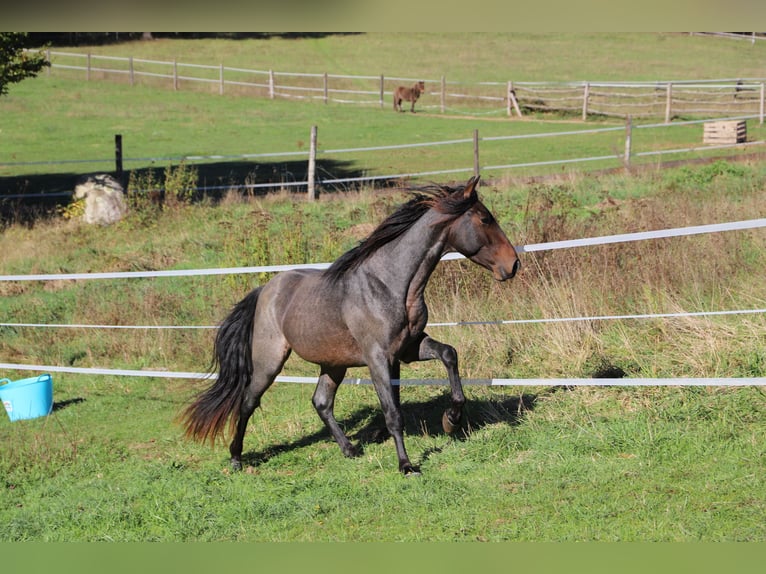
<point x="476" y="152"/>
<point x="628" y="141"/>
<point x="509" y="90"/>
<point x="444" y="92"/>
<point x="132" y="78"/>
<point x="175" y="75"/>
<point x="668" y="102"/>
<point x="760" y="109"/>
<point x="118" y="158"/>
<point x="220" y="76"/>
<point x="326" y="88"/>
<point x="48" y="58"/>
<point x="381" y="90"/>
<point x="271" y="84"/>
<point x="585" y="96"/>
<point x="87" y="69"/>
<point x="312" y="193"/>
<point x="513" y="100"/>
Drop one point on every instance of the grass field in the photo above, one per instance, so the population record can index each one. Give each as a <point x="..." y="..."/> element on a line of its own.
<point x="543" y="463"/>
<point x="539" y="463"/>
<point x="471" y="56"/>
<point x="63" y="118"/>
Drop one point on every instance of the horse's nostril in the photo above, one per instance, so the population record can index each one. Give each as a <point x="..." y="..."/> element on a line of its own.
<point x="516" y="267"/>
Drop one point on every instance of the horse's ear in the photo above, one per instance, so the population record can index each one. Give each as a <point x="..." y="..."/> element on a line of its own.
<point x="470" y="187"/>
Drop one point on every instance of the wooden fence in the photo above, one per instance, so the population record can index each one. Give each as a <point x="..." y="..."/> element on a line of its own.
<point x="729" y="133"/>
<point x="662" y="99"/>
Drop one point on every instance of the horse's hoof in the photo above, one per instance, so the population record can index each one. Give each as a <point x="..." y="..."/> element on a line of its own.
<point x="448" y="426"/>
<point x="409" y="471"/>
<point x="352" y="451"/>
<point x="236" y="464"/>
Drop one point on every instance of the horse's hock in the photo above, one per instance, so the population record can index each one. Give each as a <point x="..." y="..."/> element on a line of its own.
<point x="104" y="199"/>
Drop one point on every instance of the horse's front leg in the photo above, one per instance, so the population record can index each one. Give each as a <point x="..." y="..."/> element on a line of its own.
<point x="428" y="349"/>
<point x="380" y="372"/>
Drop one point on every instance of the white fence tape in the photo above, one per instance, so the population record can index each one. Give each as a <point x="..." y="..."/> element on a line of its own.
<point x="681" y="314"/>
<point x="644" y="235"/>
<point x="602" y="240"/>
<point x="623" y="382"/>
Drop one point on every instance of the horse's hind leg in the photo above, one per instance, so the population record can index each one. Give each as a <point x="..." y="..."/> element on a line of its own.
<point x="429" y="348"/>
<point x="265" y="369"/>
<point x="324" y="403"/>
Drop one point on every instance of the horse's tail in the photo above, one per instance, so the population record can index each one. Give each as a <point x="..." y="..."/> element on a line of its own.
<point x="206" y="417"/>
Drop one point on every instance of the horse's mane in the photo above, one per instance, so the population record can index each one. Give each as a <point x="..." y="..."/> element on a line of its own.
<point x="442" y="199"/>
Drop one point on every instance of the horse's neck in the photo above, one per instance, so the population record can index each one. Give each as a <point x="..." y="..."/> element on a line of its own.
<point x="406" y="264"/>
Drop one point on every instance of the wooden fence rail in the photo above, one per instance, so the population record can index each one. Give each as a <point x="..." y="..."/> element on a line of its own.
<point x="662" y="99"/>
<point x="312" y="183"/>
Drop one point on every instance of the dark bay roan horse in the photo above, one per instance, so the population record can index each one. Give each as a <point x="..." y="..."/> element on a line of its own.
<point x="411" y="94"/>
<point x="366" y="309"/>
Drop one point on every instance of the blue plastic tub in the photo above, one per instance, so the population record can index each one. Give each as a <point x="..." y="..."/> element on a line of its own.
<point x="27" y="398"/>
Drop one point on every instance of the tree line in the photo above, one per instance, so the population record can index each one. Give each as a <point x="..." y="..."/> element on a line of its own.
<point x="100" y="38"/>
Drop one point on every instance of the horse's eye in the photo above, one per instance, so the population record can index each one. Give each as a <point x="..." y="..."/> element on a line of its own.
<point x="486" y="219"/>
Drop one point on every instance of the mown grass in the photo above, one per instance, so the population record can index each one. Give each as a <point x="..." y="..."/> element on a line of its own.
<point x="62" y="117"/>
<point x="470" y="56"/>
<point x="540" y="463"/>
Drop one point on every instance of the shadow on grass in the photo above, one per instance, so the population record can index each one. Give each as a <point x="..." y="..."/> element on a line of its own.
<point x="27" y="198"/>
<point x="367" y="425"/>
<point x="61" y="405"/>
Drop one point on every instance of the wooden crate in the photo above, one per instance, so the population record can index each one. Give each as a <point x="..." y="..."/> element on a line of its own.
<point x="725" y="132"/>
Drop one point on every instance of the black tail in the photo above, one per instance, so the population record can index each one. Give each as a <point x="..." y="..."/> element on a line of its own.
<point x="206" y="417"/>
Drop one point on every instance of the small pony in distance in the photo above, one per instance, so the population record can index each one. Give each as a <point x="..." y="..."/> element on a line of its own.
<point x="410" y="94"/>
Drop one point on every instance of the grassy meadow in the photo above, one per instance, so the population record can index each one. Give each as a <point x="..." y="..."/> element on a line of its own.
<point x="546" y="463"/>
<point x="64" y="119"/>
<point x="532" y="463"/>
<point x="469" y="56"/>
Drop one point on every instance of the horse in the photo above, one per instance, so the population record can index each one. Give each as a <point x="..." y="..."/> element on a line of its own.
<point x="366" y="309"/>
<point x="408" y="94"/>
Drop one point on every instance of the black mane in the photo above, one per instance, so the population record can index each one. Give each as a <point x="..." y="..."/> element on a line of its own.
<point x="443" y="199"/>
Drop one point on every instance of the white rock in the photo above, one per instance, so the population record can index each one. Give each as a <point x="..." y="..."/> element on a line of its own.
<point x="104" y="199"/>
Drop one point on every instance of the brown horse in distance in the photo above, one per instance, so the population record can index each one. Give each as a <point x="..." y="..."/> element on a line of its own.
<point x="410" y="94"/>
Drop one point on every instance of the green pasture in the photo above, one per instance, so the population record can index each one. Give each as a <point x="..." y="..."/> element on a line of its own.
<point x="68" y="123"/>
<point x="542" y="463"/>
<point x="468" y="57"/>
<point x="532" y="463"/>
<point x="65" y="120"/>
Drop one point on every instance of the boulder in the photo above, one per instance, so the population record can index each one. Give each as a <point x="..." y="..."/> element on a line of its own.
<point x="104" y="199"/>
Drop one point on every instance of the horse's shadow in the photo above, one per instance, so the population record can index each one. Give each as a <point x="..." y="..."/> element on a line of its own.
<point x="60" y="405"/>
<point x="367" y="424"/>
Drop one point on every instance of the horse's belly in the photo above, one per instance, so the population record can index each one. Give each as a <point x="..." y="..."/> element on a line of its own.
<point x="322" y="344"/>
<point x="331" y="355"/>
<point x="320" y="340"/>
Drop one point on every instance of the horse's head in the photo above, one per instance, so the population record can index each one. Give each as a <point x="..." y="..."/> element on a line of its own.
<point x="477" y="235"/>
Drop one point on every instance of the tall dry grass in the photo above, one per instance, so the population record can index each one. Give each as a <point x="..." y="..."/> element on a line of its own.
<point x="708" y="272"/>
<point x="689" y="274"/>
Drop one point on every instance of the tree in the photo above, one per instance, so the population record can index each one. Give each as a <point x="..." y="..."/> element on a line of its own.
<point x="15" y="63"/>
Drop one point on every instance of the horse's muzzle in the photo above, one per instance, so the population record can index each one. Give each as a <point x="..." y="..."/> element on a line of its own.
<point x="503" y="274"/>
